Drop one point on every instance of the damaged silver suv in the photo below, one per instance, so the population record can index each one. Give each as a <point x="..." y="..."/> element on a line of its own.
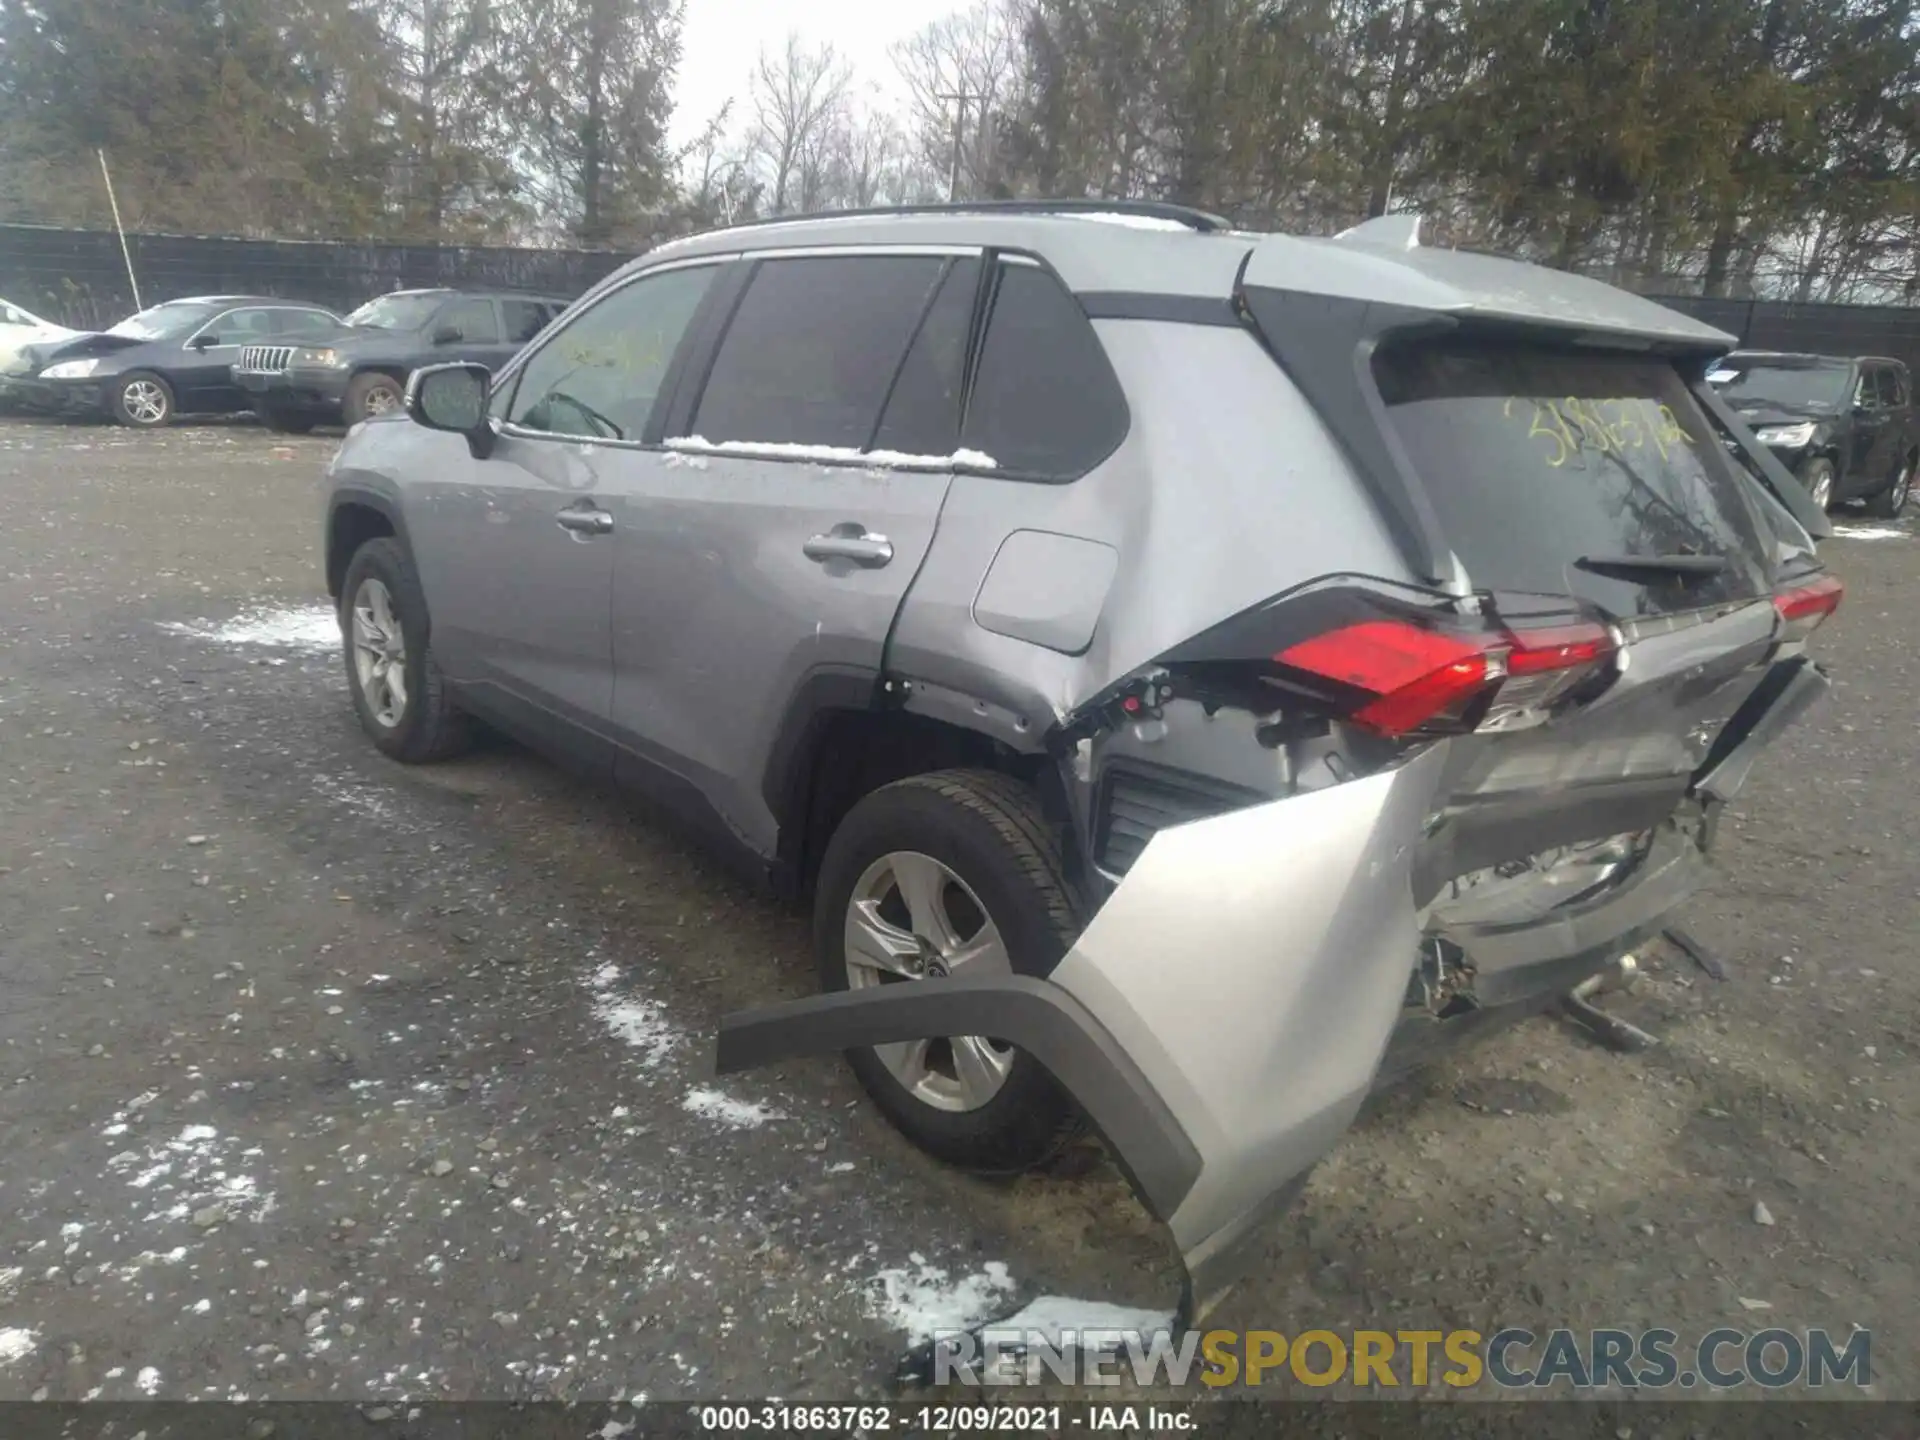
<point x="1190" y="671"/>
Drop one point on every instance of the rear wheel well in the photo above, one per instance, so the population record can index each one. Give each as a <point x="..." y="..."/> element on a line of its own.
<point x="855" y="752"/>
<point x="351" y="527"/>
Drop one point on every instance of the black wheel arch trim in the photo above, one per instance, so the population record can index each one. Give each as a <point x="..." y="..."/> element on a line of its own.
<point x="365" y="499"/>
<point x="1148" y="1142"/>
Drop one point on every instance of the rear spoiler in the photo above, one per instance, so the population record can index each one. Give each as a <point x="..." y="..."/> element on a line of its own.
<point x="1310" y="301"/>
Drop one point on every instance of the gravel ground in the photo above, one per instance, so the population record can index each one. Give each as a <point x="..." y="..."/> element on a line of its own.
<point x="321" y="1077"/>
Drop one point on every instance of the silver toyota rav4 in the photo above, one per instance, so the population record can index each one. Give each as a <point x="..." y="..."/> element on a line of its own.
<point x="1191" y="672"/>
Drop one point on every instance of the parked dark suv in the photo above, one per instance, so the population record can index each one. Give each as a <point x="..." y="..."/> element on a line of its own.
<point x="1846" y="427"/>
<point x="362" y="369"/>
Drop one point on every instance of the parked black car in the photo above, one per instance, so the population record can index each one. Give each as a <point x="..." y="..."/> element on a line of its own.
<point x="1846" y="427"/>
<point x="362" y="369"/>
<point x="172" y="359"/>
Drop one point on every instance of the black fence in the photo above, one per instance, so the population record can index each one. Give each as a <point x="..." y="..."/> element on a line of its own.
<point x="79" y="278"/>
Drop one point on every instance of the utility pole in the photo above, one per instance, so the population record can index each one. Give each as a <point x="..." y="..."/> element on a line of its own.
<point x="960" y="99"/>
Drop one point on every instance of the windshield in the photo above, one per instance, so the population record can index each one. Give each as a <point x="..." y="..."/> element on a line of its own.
<point x="397" y="312"/>
<point x="1792" y="385"/>
<point x="163" y="322"/>
<point x="1536" y="459"/>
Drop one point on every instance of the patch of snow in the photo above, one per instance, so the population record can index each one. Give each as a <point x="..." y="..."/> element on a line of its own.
<point x="1053" y="1316"/>
<point x="310" y="628"/>
<point x="736" y="1114"/>
<point x="605" y="975"/>
<point x="364" y="798"/>
<point x="1869" y="532"/>
<point x="832" y="454"/>
<point x="1133" y="222"/>
<point x="148" y="1380"/>
<point x="16" y="1344"/>
<point x="643" y="1024"/>
<point x="923" y="1299"/>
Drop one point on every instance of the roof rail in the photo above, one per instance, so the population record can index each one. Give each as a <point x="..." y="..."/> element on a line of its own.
<point x="1187" y="215"/>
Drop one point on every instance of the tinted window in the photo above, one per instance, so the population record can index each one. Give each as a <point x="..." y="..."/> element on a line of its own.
<point x="600" y="375"/>
<point x="473" y="319"/>
<point x="1753" y="383"/>
<point x="1045" y="401"/>
<point x="240" y="327"/>
<point x="923" y="412"/>
<point x="402" y="310"/>
<point x="523" y="319"/>
<point x="812" y="349"/>
<point x="1535" y="459"/>
<point x="1889" y="384"/>
<point x="304" y="322"/>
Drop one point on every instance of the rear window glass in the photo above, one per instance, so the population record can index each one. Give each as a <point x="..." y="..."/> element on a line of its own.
<point x="1536" y="458"/>
<point x="1792" y="382"/>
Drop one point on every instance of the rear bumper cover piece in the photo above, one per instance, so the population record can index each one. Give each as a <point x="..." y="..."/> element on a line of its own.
<point x="1225" y="1013"/>
<point x="1220" y="1019"/>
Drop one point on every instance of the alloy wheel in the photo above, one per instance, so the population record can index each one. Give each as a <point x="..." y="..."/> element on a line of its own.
<point x="912" y="918"/>
<point x="379" y="653"/>
<point x="144" y="402"/>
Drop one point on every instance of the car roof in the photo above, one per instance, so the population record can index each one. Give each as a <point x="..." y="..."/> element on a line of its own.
<point x="1151" y="250"/>
<point x="479" y="293"/>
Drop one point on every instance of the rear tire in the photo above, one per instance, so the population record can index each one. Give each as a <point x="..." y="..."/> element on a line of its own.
<point x="142" y="400"/>
<point x="414" y="721"/>
<point x="995" y="859"/>
<point x="370" y="394"/>
<point x="1888" y="503"/>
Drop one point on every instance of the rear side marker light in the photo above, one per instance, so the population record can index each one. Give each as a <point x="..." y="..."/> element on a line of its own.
<point x="1422" y="679"/>
<point x="1803" y="608"/>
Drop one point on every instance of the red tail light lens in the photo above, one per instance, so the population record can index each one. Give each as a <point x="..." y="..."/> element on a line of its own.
<point x="1804" y="607"/>
<point x="1422" y="679"/>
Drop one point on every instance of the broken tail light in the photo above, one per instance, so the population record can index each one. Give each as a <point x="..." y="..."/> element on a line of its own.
<point x="1402" y="677"/>
<point x="1803" y="607"/>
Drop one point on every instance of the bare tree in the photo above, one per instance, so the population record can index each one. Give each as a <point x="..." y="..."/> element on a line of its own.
<point x="796" y="94"/>
<point x="960" y="73"/>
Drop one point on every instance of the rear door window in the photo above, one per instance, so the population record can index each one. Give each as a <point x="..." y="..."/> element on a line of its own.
<point x="524" y="319"/>
<point x="1045" y="402"/>
<point x="473" y="319"/>
<point x="1535" y="459"/>
<point x="813" y="348"/>
<point x="923" y="410"/>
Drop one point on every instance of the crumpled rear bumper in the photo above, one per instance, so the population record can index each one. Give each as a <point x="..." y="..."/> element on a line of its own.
<point x="1224" y="1015"/>
<point x="1221" y="1017"/>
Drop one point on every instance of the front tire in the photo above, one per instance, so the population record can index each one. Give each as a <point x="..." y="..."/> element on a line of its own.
<point x="402" y="700"/>
<point x="370" y="394"/>
<point x="951" y="872"/>
<point x="1888" y="503"/>
<point x="142" y="400"/>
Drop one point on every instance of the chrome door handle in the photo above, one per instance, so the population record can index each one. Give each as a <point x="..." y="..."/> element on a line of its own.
<point x="585" y="521"/>
<point x="865" y="549"/>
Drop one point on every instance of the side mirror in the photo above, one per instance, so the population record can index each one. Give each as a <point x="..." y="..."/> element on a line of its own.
<point x="205" y="340"/>
<point x="447" y="335"/>
<point x="453" y="398"/>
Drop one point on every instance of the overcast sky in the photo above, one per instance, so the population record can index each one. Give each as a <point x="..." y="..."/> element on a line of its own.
<point x="722" y="39"/>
